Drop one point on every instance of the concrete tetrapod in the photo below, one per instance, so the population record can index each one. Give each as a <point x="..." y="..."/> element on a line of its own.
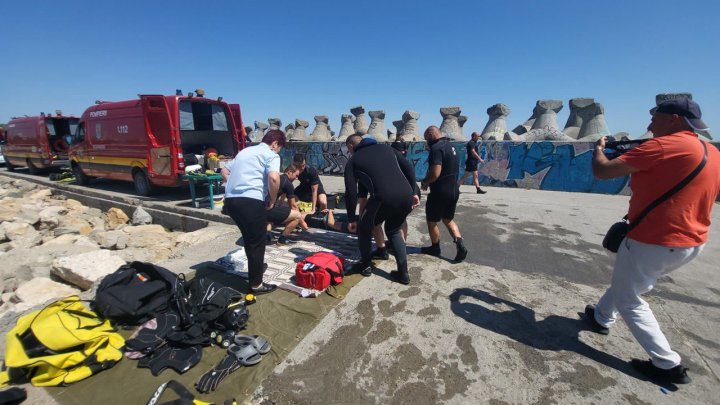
<point x="450" y="126"/>
<point x="299" y="133"/>
<point x="259" y="132"/>
<point x="321" y="133"/>
<point x="275" y="123"/>
<point x="361" y="124"/>
<point x="410" y="130"/>
<point x="593" y="126"/>
<point x="289" y="129"/>
<point x="547" y="114"/>
<point x="574" y="121"/>
<point x="461" y="121"/>
<point x="346" y="128"/>
<point x="496" y="126"/>
<point x="377" y="125"/>
<point x="523" y="128"/>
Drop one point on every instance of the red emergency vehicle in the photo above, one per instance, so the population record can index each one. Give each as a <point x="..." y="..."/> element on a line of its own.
<point x="38" y="142"/>
<point x="149" y="141"/>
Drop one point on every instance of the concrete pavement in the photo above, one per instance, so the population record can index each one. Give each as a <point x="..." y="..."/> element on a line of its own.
<point x="504" y="327"/>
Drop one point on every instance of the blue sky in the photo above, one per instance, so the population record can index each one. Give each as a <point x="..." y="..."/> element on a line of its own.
<point x="295" y="59"/>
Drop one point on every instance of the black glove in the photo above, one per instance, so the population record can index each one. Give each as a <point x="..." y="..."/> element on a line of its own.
<point x="210" y="380"/>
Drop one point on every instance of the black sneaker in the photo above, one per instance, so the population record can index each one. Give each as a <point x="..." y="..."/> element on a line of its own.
<point x="284" y="240"/>
<point x="594" y="325"/>
<point x="675" y="375"/>
<point x="480" y="191"/>
<point x="380" y="254"/>
<point x="461" y="251"/>
<point x="432" y="250"/>
<point x="363" y="268"/>
<point x="400" y="277"/>
<point x="263" y="289"/>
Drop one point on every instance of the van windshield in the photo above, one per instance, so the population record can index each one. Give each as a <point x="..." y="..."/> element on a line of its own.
<point x="201" y="116"/>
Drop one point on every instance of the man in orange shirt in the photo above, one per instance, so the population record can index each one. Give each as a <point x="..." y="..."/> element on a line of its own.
<point x="670" y="236"/>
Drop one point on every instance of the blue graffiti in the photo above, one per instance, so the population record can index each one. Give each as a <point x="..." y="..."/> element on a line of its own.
<point x="568" y="172"/>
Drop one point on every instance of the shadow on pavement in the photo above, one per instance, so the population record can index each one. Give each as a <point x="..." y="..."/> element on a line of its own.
<point x="555" y="333"/>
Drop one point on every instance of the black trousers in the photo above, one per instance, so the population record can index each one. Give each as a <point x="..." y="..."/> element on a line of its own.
<point x="376" y="213"/>
<point x="250" y="216"/>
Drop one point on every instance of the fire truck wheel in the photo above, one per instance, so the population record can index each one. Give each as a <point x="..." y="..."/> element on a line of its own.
<point x="142" y="184"/>
<point x="80" y="177"/>
<point x="31" y="168"/>
<point x="9" y="166"/>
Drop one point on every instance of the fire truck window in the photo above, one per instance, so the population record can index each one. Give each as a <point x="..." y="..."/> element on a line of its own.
<point x="50" y="128"/>
<point x="80" y="134"/>
<point x="219" y="121"/>
<point x="186" y="116"/>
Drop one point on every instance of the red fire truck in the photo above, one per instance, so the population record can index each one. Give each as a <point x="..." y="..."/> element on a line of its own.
<point x="150" y="140"/>
<point x="38" y="142"/>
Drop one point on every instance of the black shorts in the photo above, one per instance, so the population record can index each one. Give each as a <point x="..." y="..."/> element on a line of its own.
<point x="305" y="193"/>
<point x="440" y="206"/>
<point x="471" y="165"/>
<point x="278" y="215"/>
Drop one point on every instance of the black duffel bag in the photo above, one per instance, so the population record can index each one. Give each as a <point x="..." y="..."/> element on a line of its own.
<point x="136" y="292"/>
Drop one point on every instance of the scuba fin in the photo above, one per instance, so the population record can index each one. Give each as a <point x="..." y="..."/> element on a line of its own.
<point x="176" y="358"/>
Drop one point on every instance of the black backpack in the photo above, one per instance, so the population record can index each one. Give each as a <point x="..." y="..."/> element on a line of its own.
<point x="136" y="292"/>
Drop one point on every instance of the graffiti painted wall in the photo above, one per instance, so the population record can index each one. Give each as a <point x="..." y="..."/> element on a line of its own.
<point x="555" y="166"/>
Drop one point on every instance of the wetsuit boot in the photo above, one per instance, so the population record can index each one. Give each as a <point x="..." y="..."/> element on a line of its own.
<point x="461" y="250"/>
<point x="432" y="250"/>
<point x="401" y="275"/>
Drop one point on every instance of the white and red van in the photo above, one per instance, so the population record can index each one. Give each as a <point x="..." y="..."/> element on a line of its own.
<point x="147" y="141"/>
<point x="38" y="142"/>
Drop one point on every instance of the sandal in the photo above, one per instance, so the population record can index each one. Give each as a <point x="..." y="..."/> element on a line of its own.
<point x="263" y="289"/>
<point x="258" y="342"/>
<point x="245" y="354"/>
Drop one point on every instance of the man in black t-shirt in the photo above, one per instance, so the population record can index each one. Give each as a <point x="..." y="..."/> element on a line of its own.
<point x="310" y="188"/>
<point x="471" y="164"/>
<point x="443" y="168"/>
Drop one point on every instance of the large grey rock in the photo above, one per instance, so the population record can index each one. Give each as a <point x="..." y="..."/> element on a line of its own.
<point x="361" y="124"/>
<point x="136" y="254"/>
<point x="450" y="126"/>
<point x="84" y="269"/>
<point x="346" y="128"/>
<point x="17" y="230"/>
<point x="259" y="132"/>
<point x="141" y="217"/>
<point x="111" y="239"/>
<point x="574" y="121"/>
<point x="321" y="133"/>
<point x="496" y="126"/>
<point x="30" y="214"/>
<point x="9" y="209"/>
<point x="41" y="290"/>
<point x="410" y="129"/>
<point x="39" y="194"/>
<point x="377" y="125"/>
<point x="115" y="218"/>
<point x="546" y="111"/>
<point x="70" y="224"/>
<point x="50" y="216"/>
<point x="300" y="133"/>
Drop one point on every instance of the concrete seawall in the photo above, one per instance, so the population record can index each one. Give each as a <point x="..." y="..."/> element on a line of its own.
<point x="554" y="166"/>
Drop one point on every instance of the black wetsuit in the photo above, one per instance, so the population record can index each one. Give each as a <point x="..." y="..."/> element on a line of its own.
<point x="400" y="146"/>
<point x="444" y="192"/>
<point x="389" y="178"/>
<point x="279" y="213"/>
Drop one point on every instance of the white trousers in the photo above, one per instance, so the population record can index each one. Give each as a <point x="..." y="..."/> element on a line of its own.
<point x="637" y="268"/>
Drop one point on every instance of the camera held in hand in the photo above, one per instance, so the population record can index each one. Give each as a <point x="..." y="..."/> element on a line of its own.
<point x="615" y="148"/>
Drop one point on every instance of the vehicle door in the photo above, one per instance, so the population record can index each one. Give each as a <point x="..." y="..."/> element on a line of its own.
<point x="159" y="127"/>
<point x="239" y="127"/>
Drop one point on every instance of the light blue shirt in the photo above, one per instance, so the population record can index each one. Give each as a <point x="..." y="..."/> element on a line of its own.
<point x="249" y="172"/>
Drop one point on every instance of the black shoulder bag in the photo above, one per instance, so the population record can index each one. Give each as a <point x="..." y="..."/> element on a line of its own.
<point x="619" y="230"/>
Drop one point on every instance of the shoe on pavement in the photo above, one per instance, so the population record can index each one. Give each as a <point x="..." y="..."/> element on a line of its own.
<point x="400" y="277"/>
<point x="264" y="289"/>
<point x="363" y="268"/>
<point x="594" y="325"/>
<point x="284" y="240"/>
<point x="675" y="375"/>
<point x="480" y="191"/>
<point x="432" y="250"/>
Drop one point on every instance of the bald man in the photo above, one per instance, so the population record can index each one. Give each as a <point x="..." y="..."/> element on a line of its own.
<point x="442" y="176"/>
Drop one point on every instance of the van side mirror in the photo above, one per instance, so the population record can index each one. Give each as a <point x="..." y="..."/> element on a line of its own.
<point x="69" y="139"/>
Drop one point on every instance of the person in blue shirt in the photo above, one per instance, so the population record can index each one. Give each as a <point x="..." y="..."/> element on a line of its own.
<point x="252" y="184"/>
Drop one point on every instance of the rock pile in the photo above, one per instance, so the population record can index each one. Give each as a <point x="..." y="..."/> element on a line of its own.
<point x="52" y="247"/>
